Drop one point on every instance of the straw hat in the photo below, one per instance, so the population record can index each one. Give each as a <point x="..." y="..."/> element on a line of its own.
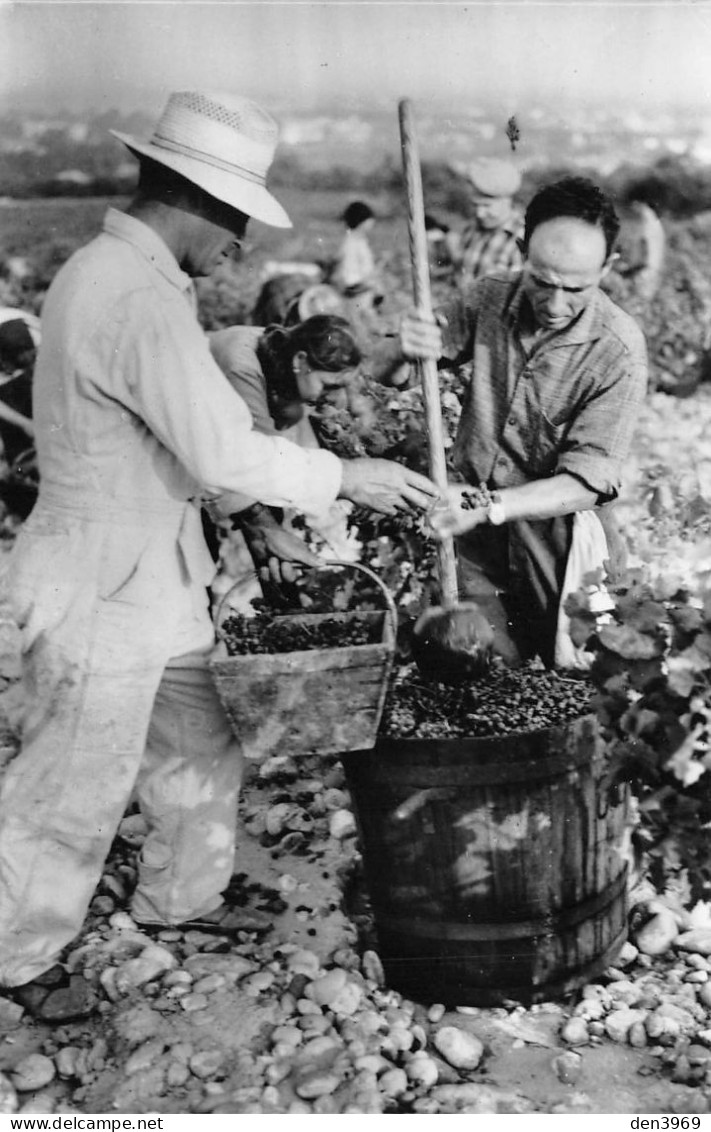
<point x="222" y="143"/>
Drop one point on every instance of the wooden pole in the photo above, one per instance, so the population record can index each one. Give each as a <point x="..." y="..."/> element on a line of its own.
<point x="419" y="258"/>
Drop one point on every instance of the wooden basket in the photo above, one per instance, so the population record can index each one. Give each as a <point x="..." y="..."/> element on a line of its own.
<point x="310" y="702"/>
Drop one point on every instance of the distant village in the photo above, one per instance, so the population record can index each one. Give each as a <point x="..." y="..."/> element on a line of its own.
<point x="62" y="154"/>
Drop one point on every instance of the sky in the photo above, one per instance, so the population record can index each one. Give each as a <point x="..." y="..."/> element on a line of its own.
<point x="90" y="56"/>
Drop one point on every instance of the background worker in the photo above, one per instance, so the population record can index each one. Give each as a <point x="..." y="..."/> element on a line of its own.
<point x="490" y="241"/>
<point x="559" y="375"/>
<point x="135" y="427"/>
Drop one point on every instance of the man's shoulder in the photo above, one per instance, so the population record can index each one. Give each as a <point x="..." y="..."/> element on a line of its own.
<point x="620" y="325"/>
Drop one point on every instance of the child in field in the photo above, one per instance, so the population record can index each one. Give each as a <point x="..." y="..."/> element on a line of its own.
<point x="354" y="273"/>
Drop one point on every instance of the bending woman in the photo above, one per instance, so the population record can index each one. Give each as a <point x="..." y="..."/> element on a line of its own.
<point x="281" y="373"/>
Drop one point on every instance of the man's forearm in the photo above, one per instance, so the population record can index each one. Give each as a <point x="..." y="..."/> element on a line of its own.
<point x="548" y="498"/>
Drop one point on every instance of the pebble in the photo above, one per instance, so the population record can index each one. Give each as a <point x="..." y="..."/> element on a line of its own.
<point x="209" y="983"/>
<point x="177" y="979"/>
<point x="206" y="1063"/>
<point x="153" y="962"/>
<point x="304" y="962"/>
<point x="697" y="977"/>
<point x="67" y="1061"/>
<point x="459" y="1048"/>
<point x="8" y="1096"/>
<point x="33" y="1072"/>
<point x="393" y="1083"/>
<point x="698" y="940"/>
<point x="657" y="935"/>
<point x="591" y="1009"/>
<point x="257" y="983"/>
<point x="575" y="1032"/>
<point x="628" y="954"/>
<point x="287" y="1035"/>
<point x="698" y="1055"/>
<point x="373" y="968"/>
<point x="436" y="1012"/>
<point x="326" y="989"/>
<point x="317" y="1085"/>
<point x="619" y="1022"/>
<point x="637" y="1036"/>
<point x="177" y="1074"/>
<point x="341" y="824"/>
<point x="568" y="1067"/>
<point x="10" y="1015"/>
<point x="704" y="996"/>
<point x="422" y="1070"/>
<point x="191" y="1003"/>
<point x="144" y="1057"/>
<point x="279" y="816"/>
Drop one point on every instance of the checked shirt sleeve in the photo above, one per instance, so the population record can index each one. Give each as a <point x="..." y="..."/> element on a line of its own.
<point x="598" y="443"/>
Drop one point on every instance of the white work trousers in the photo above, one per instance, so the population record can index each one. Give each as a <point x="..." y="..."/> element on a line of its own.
<point x="109" y="716"/>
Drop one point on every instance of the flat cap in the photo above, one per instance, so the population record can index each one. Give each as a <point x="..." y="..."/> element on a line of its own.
<point x="493" y="178"/>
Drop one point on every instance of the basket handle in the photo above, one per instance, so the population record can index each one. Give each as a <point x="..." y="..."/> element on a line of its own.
<point x="389" y="602"/>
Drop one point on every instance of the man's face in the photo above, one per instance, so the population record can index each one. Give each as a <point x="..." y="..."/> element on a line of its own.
<point x="490" y="212"/>
<point x="216" y="236"/>
<point x="565" y="261"/>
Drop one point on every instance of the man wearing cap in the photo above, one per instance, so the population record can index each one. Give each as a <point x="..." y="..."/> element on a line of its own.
<point x="558" y="378"/>
<point x="135" y="426"/>
<point x="491" y="241"/>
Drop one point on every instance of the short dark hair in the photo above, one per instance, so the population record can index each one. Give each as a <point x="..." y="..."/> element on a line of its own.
<point x="357" y="213"/>
<point x="578" y="197"/>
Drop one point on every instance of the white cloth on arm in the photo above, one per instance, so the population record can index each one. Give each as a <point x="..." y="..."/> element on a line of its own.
<point x="588" y="552"/>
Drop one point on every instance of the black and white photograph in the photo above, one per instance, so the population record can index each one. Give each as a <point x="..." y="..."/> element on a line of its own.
<point x="355" y="561"/>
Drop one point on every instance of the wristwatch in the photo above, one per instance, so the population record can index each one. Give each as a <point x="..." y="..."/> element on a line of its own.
<point x="496" y="512"/>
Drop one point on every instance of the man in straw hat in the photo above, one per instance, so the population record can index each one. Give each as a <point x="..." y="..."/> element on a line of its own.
<point x="135" y="426"/>
<point x="490" y="242"/>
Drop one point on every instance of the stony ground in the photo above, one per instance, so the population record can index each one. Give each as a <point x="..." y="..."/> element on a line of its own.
<point x="300" y="1019"/>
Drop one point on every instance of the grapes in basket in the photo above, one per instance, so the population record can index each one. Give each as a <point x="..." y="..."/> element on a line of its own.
<point x="265" y="633"/>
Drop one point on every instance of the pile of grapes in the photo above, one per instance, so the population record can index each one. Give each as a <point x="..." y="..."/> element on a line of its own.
<point x="503" y="702"/>
<point x="265" y="633"/>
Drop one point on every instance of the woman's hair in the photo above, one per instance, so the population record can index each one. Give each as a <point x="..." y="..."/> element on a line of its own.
<point x="327" y="340"/>
<point x="578" y="197"/>
<point x="357" y="213"/>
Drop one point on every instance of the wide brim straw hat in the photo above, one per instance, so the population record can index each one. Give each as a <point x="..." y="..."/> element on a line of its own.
<point x="223" y="143"/>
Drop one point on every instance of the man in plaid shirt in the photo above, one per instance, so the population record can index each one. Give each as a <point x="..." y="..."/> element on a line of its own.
<point x="491" y="241"/>
<point x="559" y="375"/>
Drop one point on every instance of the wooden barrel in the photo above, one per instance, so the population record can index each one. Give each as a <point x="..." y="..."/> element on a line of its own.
<point x="495" y="867"/>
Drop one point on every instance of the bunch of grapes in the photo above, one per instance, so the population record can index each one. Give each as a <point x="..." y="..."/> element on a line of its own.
<point x="476" y="497"/>
<point x="265" y="634"/>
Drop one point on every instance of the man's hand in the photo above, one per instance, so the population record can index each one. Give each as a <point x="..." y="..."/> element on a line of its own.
<point x="420" y="337"/>
<point x="449" y="518"/>
<point x="276" y="552"/>
<point x="386" y="486"/>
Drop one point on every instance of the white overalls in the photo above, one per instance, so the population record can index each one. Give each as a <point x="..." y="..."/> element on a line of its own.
<point x="108" y="581"/>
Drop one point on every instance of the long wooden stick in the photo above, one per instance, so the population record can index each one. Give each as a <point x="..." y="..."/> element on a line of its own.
<point x="419" y="258"/>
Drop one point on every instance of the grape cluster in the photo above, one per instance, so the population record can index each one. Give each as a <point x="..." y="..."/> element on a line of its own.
<point x="503" y="702"/>
<point x="476" y="497"/>
<point x="264" y="633"/>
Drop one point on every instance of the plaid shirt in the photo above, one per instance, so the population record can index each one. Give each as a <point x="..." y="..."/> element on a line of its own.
<point x="570" y="405"/>
<point x="483" y="251"/>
